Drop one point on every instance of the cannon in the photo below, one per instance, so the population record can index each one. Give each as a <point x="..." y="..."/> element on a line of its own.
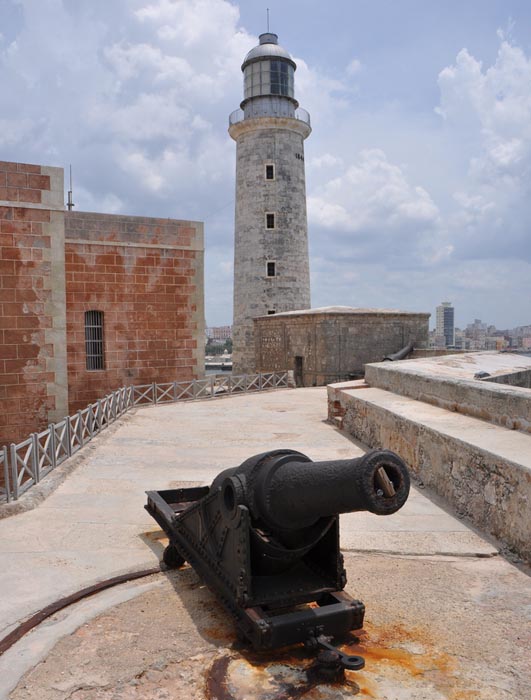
<point x="265" y="538"/>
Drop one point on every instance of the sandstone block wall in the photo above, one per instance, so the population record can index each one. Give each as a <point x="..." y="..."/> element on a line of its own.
<point x="33" y="381"/>
<point x="522" y="379"/>
<point x="500" y="403"/>
<point x="146" y="276"/>
<point x="493" y="492"/>
<point x="334" y="346"/>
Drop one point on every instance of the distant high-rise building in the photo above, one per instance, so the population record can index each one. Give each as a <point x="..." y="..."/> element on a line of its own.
<point x="445" y="323"/>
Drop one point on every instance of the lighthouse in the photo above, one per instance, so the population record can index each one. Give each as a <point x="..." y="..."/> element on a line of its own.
<point x="271" y="264"/>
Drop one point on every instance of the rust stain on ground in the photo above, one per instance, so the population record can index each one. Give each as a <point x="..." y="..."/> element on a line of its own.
<point x="410" y="647"/>
<point x="156" y="535"/>
<point x="216" y="684"/>
<point x="218" y="634"/>
<point x="393" y="654"/>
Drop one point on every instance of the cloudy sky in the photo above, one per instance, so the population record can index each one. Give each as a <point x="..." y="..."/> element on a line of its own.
<point x="418" y="167"/>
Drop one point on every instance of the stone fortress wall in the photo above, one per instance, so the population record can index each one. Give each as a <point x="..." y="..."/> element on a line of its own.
<point x="334" y="343"/>
<point x="33" y="375"/>
<point x="144" y="274"/>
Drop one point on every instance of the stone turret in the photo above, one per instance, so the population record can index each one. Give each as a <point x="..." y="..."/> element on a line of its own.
<point x="271" y="265"/>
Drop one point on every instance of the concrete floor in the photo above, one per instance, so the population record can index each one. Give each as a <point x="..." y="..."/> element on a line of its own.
<point x="447" y="617"/>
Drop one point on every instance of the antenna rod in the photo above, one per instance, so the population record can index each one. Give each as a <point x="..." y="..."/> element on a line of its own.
<point x="70" y="204"/>
<point x="268" y="19"/>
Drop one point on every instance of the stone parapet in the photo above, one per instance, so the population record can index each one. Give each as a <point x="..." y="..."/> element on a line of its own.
<point x="492" y="399"/>
<point x="483" y="471"/>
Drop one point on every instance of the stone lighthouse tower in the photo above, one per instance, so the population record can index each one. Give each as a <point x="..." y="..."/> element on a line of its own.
<point x="271" y="266"/>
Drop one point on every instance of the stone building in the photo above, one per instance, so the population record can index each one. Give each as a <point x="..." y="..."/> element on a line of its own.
<point x="335" y="342"/>
<point x="271" y="265"/>
<point x="89" y="302"/>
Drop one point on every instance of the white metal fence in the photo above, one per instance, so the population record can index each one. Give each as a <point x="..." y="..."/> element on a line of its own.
<point x="26" y="463"/>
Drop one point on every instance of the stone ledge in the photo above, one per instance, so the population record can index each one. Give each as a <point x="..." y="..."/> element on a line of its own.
<point x="481" y="470"/>
<point x="508" y="406"/>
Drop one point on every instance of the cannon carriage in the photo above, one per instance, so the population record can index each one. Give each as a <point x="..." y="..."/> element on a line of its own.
<point x="265" y="538"/>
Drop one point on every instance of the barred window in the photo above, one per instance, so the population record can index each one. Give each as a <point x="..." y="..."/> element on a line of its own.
<point x="94" y="339"/>
<point x="269" y="171"/>
<point x="271" y="269"/>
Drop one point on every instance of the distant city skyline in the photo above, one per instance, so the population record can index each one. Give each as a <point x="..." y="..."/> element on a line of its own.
<point x="417" y="167"/>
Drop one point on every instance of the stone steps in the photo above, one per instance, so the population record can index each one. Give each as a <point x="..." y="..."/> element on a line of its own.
<point x="483" y="470"/>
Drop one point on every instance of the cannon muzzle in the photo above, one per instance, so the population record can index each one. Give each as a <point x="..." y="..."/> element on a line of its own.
<point x="285" y="490"/>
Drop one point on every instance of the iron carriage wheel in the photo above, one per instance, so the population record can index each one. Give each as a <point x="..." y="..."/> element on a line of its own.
<point x="172" y="557"/>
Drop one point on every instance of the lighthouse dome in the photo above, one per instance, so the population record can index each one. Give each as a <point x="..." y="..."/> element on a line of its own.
<point x="267" y="48"/>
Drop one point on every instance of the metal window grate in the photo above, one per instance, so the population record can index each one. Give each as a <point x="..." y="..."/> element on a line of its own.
<point x="94" y="339"/>
<point x="269" y="172"/>
<point x="271" y="269"/>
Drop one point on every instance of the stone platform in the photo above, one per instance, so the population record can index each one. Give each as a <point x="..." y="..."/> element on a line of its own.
<point x="465" y="438"/>
<point x="447" y="616"/>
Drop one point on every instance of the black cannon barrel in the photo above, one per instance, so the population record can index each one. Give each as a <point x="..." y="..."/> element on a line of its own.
<point x="287" y="491"/>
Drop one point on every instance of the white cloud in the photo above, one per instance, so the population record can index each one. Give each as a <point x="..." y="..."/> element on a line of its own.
<point x="136" y="95"/>
<point x="372" y="195"/>
<point x="354" y="67"/>
<point x="498" y="102"/>
<point x="489" y="113"/>
<point x="327" y="160"/>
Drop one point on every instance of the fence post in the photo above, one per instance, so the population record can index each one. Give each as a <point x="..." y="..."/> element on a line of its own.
<point x="53" y="452"/>
<point x="154" y="385"/>
<point x="35" y="457"/>
<point x="80" y="428"/>
<point x="174" y="391"/>
<point x="6" y="474"/>
<point x="100" y="422"/>
<point x="259" y="381"/>
<point x="14" y="470"/>
<point x="90" y="419"/>
<point x="68" y="436"/>
<point x="212" y="386"/>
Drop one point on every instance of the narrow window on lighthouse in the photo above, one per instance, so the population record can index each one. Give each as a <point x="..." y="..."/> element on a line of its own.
<point x="270" y="220"/>
<point x="271" y="269"/>
<point x="269" y="171"/>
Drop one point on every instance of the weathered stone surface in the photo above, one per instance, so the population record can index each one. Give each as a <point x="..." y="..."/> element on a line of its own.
<point x="483" y="471"/>
<point x="146" y="276"/>
<point x="279" y="141"/>
<point x="334" y="342"/>
<point x="448" y="382"/>
<point x="428" y="636"/>
<point x="33" y="377"/>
